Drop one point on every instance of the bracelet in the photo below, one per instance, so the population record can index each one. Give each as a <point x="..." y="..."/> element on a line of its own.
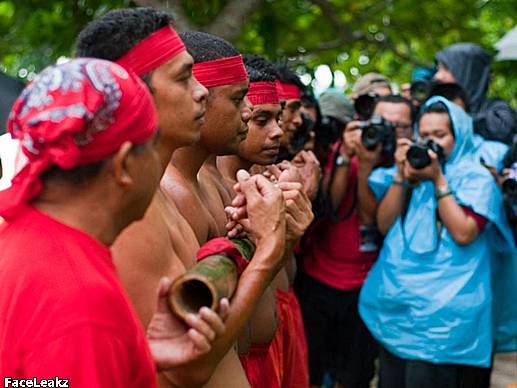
<point x="400" y="182"/>
<point x="443" y="195"/>
<point x="341" y="161"/>
<point x="443" y="191"/>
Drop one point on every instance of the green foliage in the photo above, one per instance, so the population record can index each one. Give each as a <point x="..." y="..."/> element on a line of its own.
<point x="389" y="36"/>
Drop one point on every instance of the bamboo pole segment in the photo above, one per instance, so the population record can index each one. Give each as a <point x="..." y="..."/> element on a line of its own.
<point x="206" y="283"/>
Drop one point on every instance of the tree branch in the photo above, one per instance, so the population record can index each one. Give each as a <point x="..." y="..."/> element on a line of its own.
<point x="181" y="21"/>
<point x="347" y="36"/>
<point x="328" y="10"/>
<point x="231" y="19"/>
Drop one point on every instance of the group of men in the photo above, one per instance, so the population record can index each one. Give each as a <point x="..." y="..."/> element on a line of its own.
<point x="136" y="156"/>
<point x="152" y="150"/>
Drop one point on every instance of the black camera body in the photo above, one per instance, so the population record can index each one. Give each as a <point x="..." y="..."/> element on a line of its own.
<point x="364" y="105"/>
<point x="421" y="90"/>
<point x="379" y="131"/>
<point x="418" y="157"/>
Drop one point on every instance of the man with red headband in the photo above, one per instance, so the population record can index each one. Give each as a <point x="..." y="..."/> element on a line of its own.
<point x="289" y="88"/>
<point x="163" y="243"/>
<point x="276" y="365"/>
<point x="87" y="129"/>
<point x="199" y="189"/>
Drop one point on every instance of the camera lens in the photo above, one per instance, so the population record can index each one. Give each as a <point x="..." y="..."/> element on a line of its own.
<point x="418" y="157"/>
<point x="370" y="137"/>
<point x="364" y="106"/>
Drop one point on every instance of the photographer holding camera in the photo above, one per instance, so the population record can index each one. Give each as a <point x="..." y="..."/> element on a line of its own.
<point x="428" y="298"/>
<point x="342" y="246"/>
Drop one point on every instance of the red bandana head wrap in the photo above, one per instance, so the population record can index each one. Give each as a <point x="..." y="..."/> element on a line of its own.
<point x="260" y="93"/>
<point x="74" y="114"/>
<point x="158" y="48"/>
<point x="287" y="91"/>
<point x="225" y="71"/>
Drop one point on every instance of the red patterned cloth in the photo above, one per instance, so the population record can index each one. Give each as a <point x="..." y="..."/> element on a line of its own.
<point x="74" y="114"/>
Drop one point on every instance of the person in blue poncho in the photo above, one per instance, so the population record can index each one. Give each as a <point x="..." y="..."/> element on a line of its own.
<point x="428" y="298"/>
<point x="489" y="152"/>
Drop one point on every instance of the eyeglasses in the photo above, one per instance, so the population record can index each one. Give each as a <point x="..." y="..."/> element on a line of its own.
<point x="403" y="125"/>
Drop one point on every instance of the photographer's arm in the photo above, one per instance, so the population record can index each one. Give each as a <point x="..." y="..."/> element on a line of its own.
<point x="391" y="205"/>
<point x="461" y="226"/>
<point x="367" y="203"/>
<point x="338" y="185"/>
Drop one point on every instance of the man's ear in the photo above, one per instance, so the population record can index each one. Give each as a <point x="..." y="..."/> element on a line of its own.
<point x="119" y="163"/>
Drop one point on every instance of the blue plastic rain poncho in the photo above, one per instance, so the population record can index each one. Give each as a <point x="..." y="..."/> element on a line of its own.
<point x="491" y="152"/>
<point x="428" y="298"/>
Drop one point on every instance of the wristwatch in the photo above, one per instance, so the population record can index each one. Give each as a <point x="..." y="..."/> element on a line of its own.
<point x="443" y="191"/>
<point x="341" y="161"/>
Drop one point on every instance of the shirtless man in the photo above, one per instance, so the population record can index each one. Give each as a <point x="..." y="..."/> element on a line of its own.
<point x="163" y="243"/>
<point x="261" y="148"/>
<point x="199" y="188"/>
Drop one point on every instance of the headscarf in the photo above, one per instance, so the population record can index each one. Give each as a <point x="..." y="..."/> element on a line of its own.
<point x="74" y="114"/>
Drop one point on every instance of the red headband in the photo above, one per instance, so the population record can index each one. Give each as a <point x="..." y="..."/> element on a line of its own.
<point x="260" y="93"/>
<point x="158" y="48"/>
<point x="225" y="71"/>
<point x="288" y="91"/>
<point x="73" y="114"/>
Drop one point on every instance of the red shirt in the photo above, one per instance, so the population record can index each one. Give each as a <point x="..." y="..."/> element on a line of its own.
<point x="331" y="254"/>
<point x="62" y="310"/>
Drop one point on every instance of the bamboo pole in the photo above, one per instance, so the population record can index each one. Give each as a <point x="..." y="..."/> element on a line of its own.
<point x="206" y="283"/>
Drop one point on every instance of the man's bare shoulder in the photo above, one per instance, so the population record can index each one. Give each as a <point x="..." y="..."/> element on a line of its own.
<point x="182" y="236"/>
<point x="190" y="202"/>
<point x="213" y="181"/>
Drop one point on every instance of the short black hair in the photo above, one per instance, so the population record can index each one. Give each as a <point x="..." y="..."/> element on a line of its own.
<point x="288" y="76"/>
<point x="309" y="101"/>
<point x="450" y="91"/>
<point x="206" y="47"/>
<point x="258" y="68"/>
<point x="114" y="34"/>
<point x="437" y="107"/>
<point x="394" y="99"/>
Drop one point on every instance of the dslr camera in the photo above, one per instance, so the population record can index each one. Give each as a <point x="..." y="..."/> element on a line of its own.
<point x="418" y="157"/>
<point x="364" y="105"/>
<point x="421" y="90"/>
<point x="379" y="131"/>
